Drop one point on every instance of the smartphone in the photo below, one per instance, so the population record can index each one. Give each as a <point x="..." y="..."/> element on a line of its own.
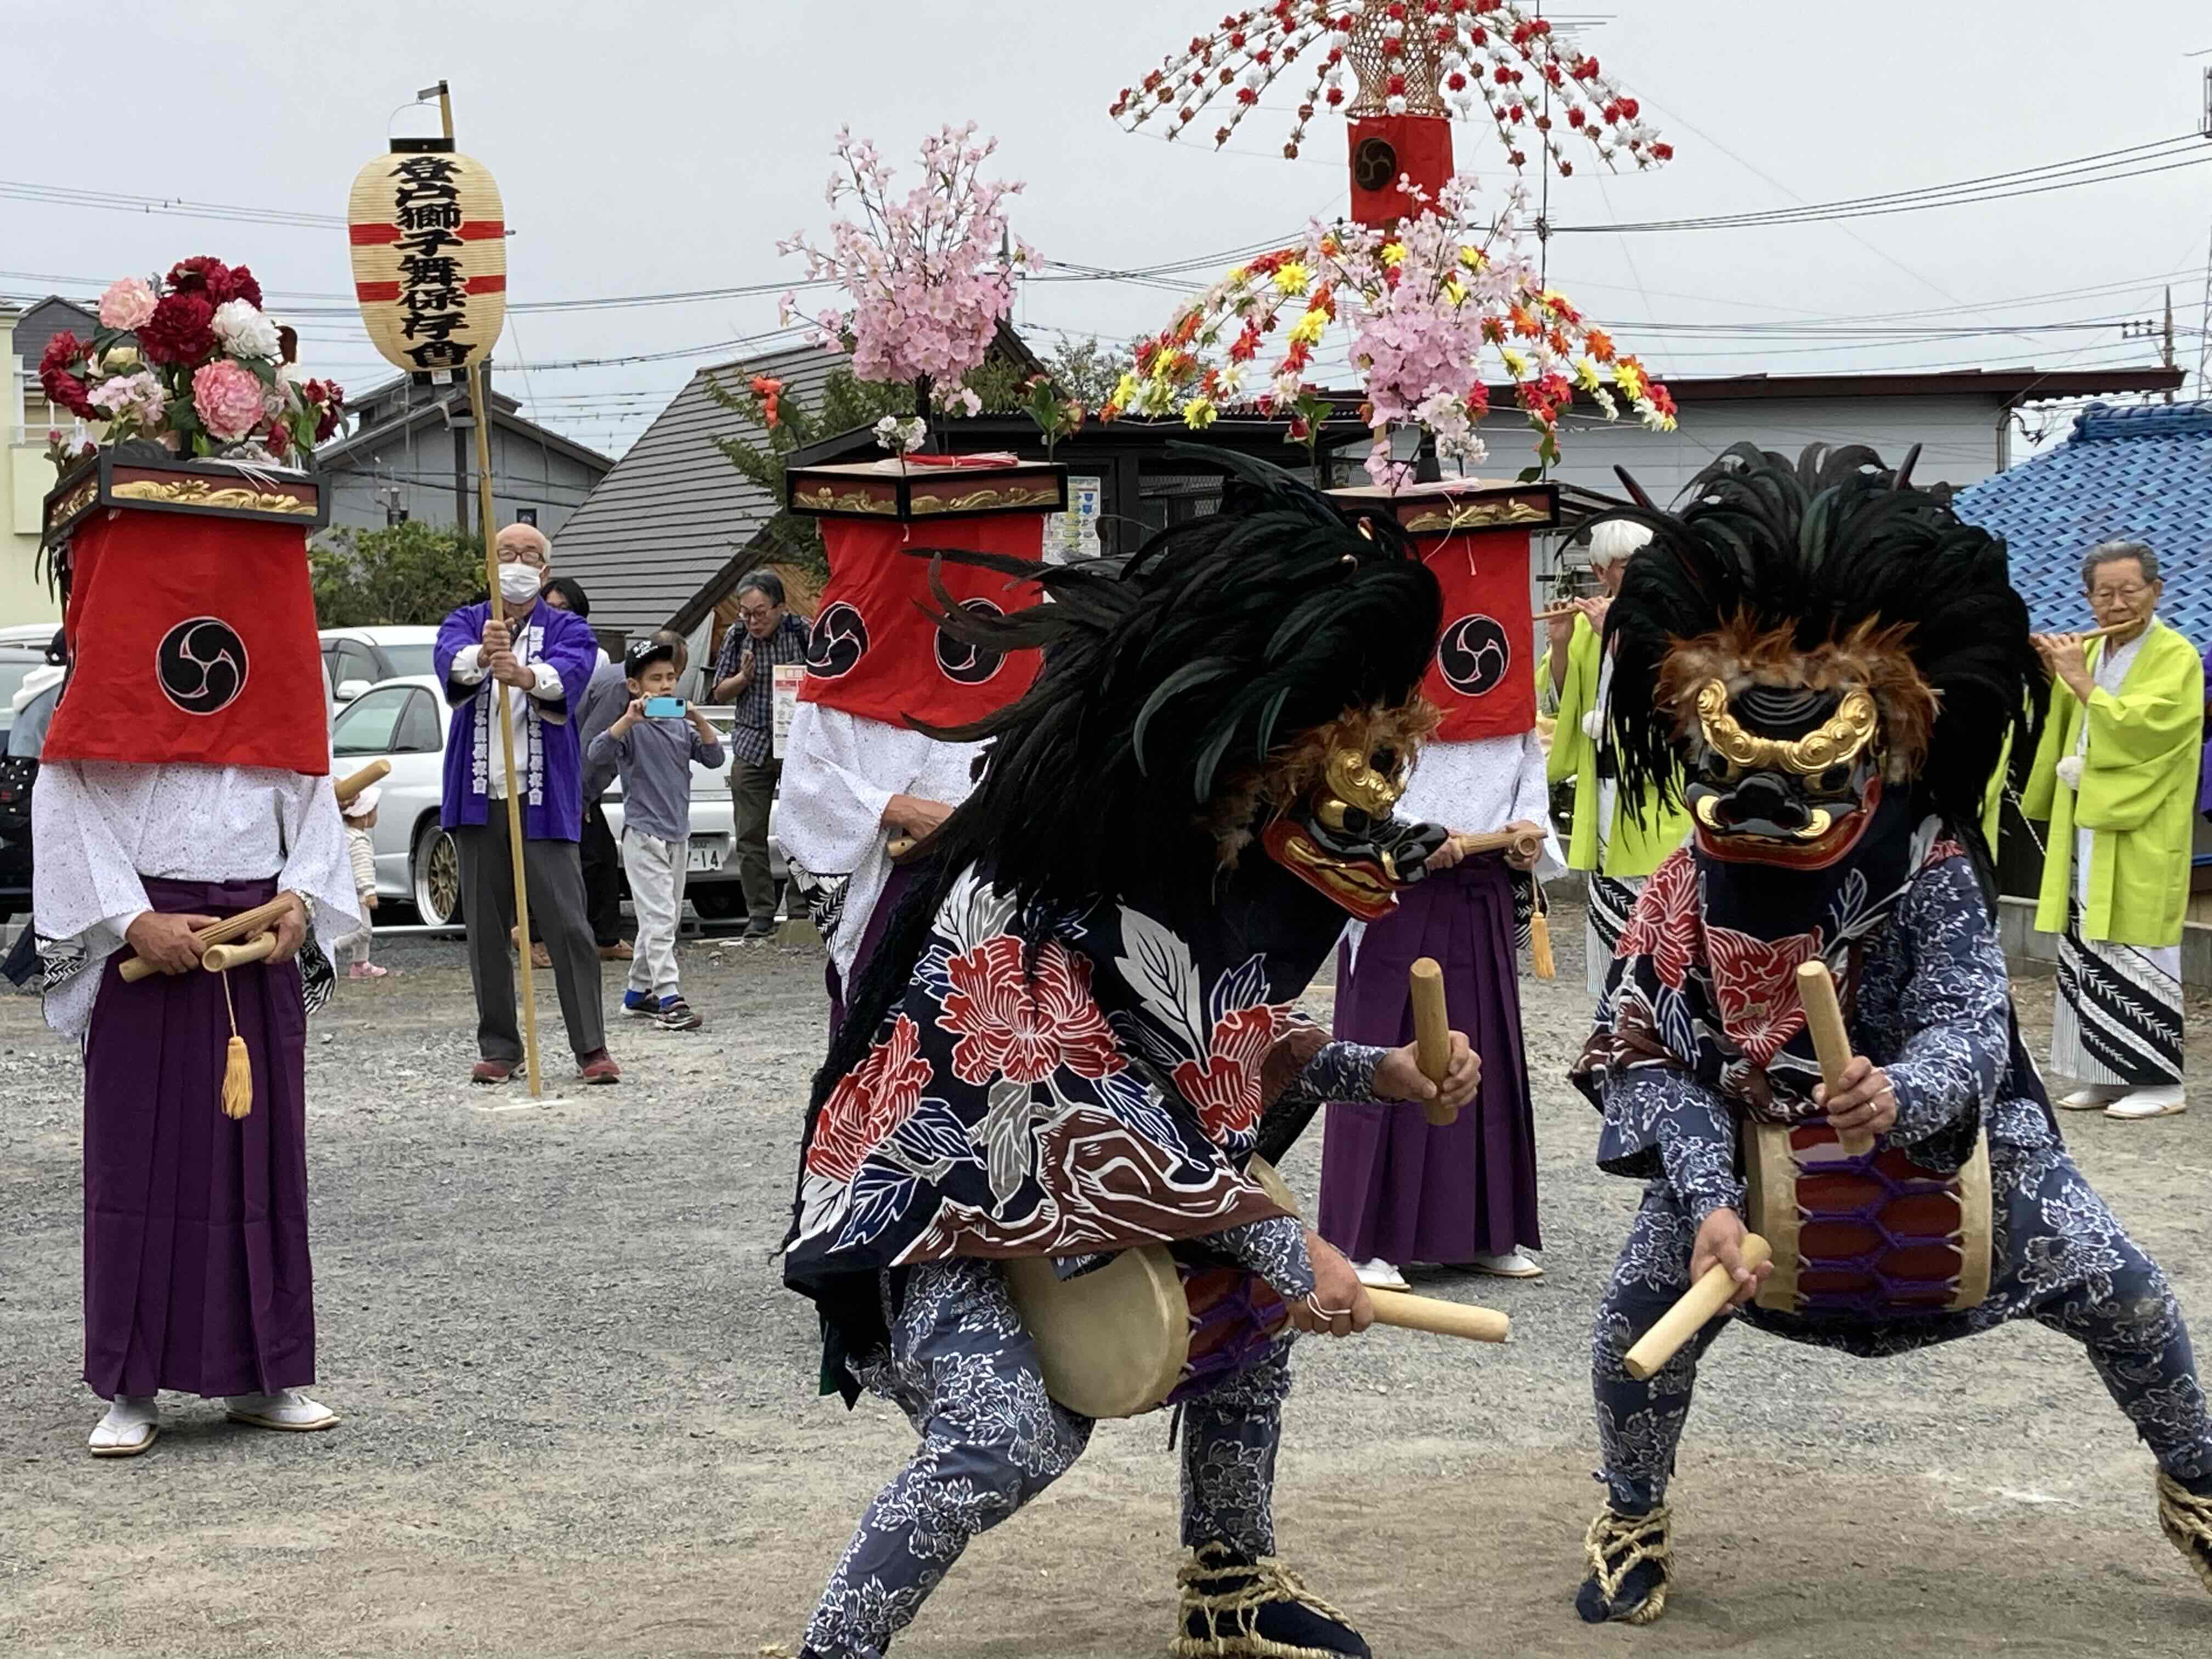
<point x="664" y="709"/>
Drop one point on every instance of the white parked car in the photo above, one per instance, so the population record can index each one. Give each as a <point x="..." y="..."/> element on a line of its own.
<point x="404" y="721"/>
<point x="354" y="659"/>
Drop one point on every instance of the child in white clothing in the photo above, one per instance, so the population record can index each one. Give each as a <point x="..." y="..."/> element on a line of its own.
<point x="360" y="819"/>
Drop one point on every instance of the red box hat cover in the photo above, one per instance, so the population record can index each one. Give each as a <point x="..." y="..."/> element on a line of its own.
<point x="1478" y="677"/>
<point x="191" y="642"/>
<point x="874" y="651"/>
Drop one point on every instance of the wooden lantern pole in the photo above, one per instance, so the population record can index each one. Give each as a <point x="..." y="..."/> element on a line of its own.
<point x="479" y="403"/>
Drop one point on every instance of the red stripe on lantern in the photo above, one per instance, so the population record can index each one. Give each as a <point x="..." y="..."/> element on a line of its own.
<point x="376" y="234"/>
<point x="367" y="292"/>
<point x="495" y="284"/>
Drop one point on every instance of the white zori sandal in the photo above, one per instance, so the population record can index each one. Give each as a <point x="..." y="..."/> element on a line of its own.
<point x="130" y="1426"/>
<point x="286" y="1408"/>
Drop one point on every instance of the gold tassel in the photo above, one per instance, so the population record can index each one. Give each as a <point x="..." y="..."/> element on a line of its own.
<point x="238" y="1065"/>
<point x="1539" y="940"/>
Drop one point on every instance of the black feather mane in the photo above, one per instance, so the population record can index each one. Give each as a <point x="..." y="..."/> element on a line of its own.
<point x="1820" y="546"/>
<point x="1167" y="679"/>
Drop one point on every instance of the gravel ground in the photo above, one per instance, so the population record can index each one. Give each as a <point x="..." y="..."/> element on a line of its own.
<point x="579" y="1415"/>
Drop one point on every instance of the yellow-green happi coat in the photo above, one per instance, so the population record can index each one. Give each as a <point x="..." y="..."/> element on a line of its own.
<point x="2138" y="794"/>
<point x="1643" y="831"/>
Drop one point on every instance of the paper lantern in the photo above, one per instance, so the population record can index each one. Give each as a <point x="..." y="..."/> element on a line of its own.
<point x="430" y="255"/>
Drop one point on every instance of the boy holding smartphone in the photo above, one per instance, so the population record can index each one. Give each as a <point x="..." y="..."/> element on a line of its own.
<point x="653" y="745"/>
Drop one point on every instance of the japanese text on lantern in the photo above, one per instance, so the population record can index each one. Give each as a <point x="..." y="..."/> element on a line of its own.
<point x="429" y="258"/>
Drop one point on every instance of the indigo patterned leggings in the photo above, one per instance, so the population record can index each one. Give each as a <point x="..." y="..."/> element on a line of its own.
<point x="2060" y="1259"/>
<point x="964" y="1372"/>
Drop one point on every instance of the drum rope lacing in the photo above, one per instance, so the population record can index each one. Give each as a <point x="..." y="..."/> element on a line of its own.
<point x="1636" y="1539"/>
<point x="1887" y="1291"/>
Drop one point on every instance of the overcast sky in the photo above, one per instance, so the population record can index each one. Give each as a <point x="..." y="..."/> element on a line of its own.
<point x="650" y="146"/>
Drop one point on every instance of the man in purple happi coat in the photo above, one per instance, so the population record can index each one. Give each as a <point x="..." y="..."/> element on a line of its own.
<point x="542" y="653"/>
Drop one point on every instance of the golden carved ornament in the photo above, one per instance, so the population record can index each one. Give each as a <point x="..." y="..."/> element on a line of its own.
<point x="1839" y="739"/>
<point x="199" y="492"/>
<point x="985" y="501"/>
<point x="1474" y="515"/>
<point x="824" y="498"/>
<point x="75" y="502"/>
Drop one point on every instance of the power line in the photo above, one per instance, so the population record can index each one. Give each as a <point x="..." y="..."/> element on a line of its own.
<point x="2110" y="165"/>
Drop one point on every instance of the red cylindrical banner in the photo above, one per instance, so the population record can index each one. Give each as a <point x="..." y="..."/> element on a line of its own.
<point x="1387" y="148"/>
<point x="876" y="653"/>
<point x="191" y="640"/>
<point x="1478" y="677"/>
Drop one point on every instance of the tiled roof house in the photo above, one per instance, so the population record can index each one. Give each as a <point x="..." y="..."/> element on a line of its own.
<point x="2144" y="473"/>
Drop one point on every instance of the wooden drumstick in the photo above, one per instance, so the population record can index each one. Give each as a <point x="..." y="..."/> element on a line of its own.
<point x="1688" y="1317"/>
<point x="231" y="928"/>
<point x="1432" y="1035"/>
<point x="1396" y="1308"/>
<point x="220" y="958"/>
<point x="347" y="789"/>
<point x="1498" y="841"/>
<point x="1824" y="1018"/>
<point x="1437" y="1316"/>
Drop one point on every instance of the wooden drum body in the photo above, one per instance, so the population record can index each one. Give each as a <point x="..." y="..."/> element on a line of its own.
<point x="1144" y="1331"/>
<point x="1878" y="1236"/>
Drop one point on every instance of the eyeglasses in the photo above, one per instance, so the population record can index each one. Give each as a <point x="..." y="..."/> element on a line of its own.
<point x="529" y="555"/>
<point x="755" y="612"/>
<point x="2117" y="595"/>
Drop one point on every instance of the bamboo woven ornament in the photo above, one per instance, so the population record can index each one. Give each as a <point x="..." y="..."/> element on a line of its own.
<point x="429" y="256"/>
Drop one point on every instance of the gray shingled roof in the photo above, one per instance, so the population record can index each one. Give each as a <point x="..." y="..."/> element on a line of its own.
<point x="45" y="318"/>
<point x="674" y="510"/>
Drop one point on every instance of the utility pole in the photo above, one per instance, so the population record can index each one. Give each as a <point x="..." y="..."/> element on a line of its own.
<point x="2169" y="336"/>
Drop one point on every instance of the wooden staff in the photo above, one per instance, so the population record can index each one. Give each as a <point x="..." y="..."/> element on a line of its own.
<point x="1688" y="1317"/>
<point x="348" y="789"/>
<point x="1824" y="1018"/>
<point x="1432" y="1035"/>
<point x="221" y="959"/>
<point x="240" y="926"/>
<point x="478" y="406"/>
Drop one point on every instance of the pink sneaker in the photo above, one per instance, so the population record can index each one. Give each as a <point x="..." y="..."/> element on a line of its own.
<point x="367" y="971"/>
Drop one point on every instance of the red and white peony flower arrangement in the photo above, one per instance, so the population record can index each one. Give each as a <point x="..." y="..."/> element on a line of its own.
<point x="192" y="362"/>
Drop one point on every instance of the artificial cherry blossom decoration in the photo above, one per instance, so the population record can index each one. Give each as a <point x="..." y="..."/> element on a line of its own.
<point x="1438" y="58"/>
<point x="925" y="275"/>
<point x="1429" y="307"/>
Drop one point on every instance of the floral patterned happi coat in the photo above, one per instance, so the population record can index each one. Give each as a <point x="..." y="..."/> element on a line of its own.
<point x="1060" y="1084"/>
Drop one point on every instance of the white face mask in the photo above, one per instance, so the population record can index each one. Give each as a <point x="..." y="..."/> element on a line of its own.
<point x="519" y="583"/>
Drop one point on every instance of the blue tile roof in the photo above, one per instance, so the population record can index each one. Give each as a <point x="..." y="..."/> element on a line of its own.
<point x="2145" y="473"/>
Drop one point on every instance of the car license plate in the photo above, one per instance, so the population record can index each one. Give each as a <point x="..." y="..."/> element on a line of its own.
<point x="706" y="852"/>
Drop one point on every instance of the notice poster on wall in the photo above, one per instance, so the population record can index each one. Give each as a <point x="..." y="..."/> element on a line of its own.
<point x="1073" y="535"/>
<point x="783" y="694"/>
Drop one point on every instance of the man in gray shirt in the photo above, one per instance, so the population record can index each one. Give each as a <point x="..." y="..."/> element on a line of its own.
<point x="654" y="754"/>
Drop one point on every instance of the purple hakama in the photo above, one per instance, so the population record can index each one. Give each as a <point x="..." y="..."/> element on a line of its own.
<point x="1391" y="1185"/>
<point x="879" y="921"/>
<point x="196" y="1271"/>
